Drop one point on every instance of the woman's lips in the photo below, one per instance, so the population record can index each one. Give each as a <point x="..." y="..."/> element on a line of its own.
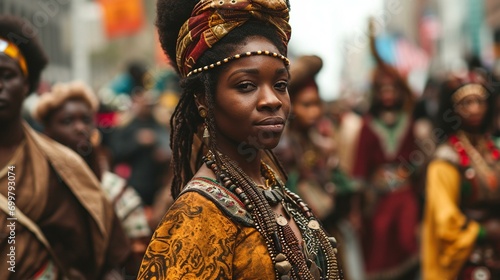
<point x="272" y="128"/>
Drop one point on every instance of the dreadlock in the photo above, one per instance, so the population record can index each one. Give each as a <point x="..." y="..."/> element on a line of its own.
<point x="184" y="123"/>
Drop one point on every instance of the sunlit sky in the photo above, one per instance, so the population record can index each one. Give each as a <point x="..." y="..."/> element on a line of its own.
<point x="321" y="26"/>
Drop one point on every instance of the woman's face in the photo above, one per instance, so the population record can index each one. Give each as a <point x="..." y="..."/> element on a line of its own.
<point x="13" y="89"/>
<point x="307" y="107"/>
<point x="387" y="92"/>
<point x="71" y="125"/>
<point x="251" y="101"/>
<point x="472" y="110"/>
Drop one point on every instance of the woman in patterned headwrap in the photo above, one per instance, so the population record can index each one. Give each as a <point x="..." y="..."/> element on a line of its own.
<point x="232" y="219"/>
<point x="461" y="226"/>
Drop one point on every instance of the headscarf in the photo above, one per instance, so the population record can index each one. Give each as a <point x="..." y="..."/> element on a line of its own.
<point x="211" y="20"/>
<point x="465" y="84"/>
<point x="20" y="32"/>
<point x="12" y="51"/>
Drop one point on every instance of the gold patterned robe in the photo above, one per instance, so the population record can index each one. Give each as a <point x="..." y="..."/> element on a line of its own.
<point x="197" y="239"/>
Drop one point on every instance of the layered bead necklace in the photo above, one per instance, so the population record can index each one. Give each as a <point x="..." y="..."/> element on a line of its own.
<point x="470" y="157"/>
<point x="291" y="261"/>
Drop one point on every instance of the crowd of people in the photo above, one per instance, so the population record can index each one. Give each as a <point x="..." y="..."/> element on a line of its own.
<point x="230" y="165"/>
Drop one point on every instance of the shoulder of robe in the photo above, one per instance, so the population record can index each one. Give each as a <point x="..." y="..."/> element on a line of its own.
<point x="225" y="200"/>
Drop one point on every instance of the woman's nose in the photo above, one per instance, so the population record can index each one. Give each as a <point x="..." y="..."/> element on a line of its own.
<point x="269" y="100"/>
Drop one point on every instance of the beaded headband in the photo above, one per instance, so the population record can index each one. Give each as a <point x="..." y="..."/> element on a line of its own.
<point x="247" y="54"/>
<point x="467" y="90"/>
<point x="12" y="51"/>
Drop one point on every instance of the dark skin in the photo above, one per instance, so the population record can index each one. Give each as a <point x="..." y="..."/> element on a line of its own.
<point x="306" y="108"/>
<point x="251" y="106"/>
<point x="387" y="92"/>
<point x="472" y="109"/>
<point x="14" y="87"/>
<point x="71" y="125"/>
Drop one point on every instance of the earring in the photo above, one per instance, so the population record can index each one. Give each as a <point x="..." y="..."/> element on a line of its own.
<point x="206" y="134"/>
<point x="202" y="112"/>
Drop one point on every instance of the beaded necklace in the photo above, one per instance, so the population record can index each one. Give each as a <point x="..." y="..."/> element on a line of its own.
<point x="290" y="260"/>
<point x="470" y="157"/>
<point x="465" y="149"/>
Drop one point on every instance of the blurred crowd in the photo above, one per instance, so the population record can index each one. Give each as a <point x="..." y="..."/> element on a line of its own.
<point x="363" y="167"/>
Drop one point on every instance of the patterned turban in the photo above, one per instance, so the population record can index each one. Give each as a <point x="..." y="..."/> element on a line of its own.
<point x="211" y="20"/>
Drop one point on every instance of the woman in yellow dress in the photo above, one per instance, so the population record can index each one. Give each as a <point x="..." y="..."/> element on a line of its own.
<point x="461" y="227"/>
<point x="232" y="219"/>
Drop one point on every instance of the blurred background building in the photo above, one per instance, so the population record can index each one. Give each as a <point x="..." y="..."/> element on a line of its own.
<point x="90" y="40"/>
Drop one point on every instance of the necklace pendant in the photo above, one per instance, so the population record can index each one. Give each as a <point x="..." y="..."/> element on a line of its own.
<point x="273" y="196"/>
<point x="268" y="195"/>
<point x="313" y="224"/>
<point x="281" y="220"/>
<point x="277" y="194"/>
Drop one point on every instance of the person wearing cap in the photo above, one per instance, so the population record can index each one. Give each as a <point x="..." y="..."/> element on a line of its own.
<point x="67" y="114"/>
<point x="461" y="224"/>
<point x="232" y="217"/>
<point x="55" y="221"/>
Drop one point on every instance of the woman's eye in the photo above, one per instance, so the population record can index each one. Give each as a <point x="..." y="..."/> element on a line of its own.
<point x="66" y="121"/>
<point x="281" y="86"/>
<point x="245" y="86"/>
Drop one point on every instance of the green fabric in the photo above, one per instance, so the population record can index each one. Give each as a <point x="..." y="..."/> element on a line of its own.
<point x="496" y="140"/>
<point x="481" y="236"/>
<point x="391" y="135"/>
<point x="293" y="181"/>
<point x="343" y="183"/>
<point x="466" y="189"/>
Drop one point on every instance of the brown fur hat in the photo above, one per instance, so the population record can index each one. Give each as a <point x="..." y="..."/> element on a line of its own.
<point x="303" y="72"/>
<point x="60" y="93"/>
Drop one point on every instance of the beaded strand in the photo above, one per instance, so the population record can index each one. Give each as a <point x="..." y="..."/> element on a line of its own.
<point x="234" y="57"/>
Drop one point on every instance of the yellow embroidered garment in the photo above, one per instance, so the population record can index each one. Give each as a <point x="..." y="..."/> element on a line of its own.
<point x="196" y="240"/>
<point x="447" y="237"/>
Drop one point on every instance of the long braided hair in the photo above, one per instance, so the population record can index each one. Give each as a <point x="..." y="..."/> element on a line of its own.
<point x="186" y="121"/>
